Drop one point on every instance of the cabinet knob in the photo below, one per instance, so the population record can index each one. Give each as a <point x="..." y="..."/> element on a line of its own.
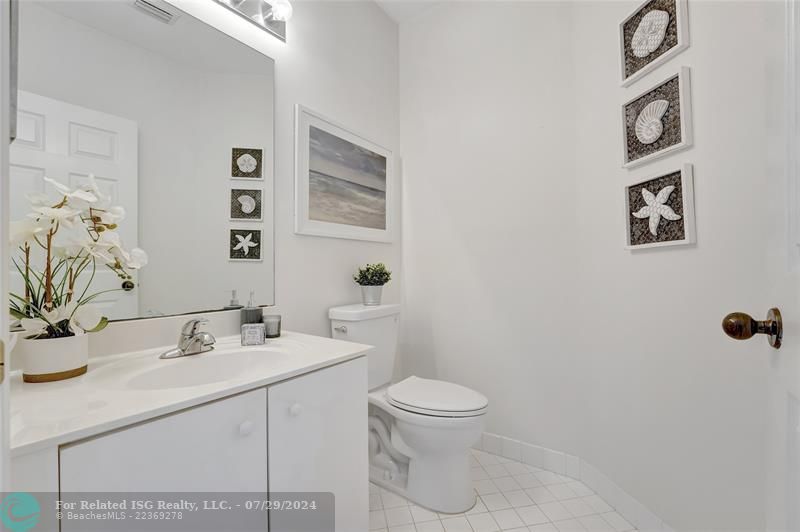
<point x="246" y="428"/>
<point x="296" y="409"/>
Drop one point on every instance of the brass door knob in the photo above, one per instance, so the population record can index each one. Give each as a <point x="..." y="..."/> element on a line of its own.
<point x="741" y="326"/>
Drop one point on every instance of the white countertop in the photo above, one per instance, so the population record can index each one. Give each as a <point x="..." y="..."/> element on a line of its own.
<point x="107" y="396"/>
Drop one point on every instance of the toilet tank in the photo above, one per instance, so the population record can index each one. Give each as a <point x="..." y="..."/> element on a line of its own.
<point x="372" y="325"/>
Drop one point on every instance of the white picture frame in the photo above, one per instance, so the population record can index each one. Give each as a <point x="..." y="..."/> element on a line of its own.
<point x="236" y="175"/>
<point x="687" y="205"/>
<point x="306" y="118"/>
<point x="687" y="137"/>
<point x="249" y="230"/>
<point x="682" y="21"/>
<point x="259" y="218"/>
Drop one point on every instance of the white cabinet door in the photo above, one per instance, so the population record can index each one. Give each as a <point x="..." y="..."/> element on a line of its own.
<point x="318" y="440"/>
<point x="218" y="447"/>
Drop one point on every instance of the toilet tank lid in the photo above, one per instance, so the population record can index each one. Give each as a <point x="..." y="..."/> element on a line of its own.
<point x="361" y="312"/>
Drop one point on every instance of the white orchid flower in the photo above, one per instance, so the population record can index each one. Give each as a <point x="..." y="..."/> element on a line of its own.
<point x="107" y="249"/>
<point x="91" y="186"/>
<point x="72" y="194"/>
<point x="138" y="259"/>
<point x="72" y="245"/>
<point x="101" y="253"/>
<point x="37" y="326"/>
<point x="23" y="231"/>
<point x="85" y="318"/>
<point x="112" y="215"/>
<point x="33" y="326"/>
<point x="51" y="215"/>
<point x="38" y="199"/>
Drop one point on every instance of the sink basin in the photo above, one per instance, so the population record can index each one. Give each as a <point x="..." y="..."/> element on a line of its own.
<point x="205" y="368"/>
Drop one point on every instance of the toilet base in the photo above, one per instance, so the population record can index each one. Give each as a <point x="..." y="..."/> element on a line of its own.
<point x="377" y="479"/>
<point x="423" y="458"/>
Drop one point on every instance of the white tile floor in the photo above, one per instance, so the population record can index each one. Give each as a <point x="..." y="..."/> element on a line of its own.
<point x="512" y="496"/>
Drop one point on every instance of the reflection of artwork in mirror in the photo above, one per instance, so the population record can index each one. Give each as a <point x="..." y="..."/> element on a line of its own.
<point x="246" y="163"/>
<point x="161" y="155"/>
<point x="245" y="244"/>
<point x="343" y="182"/>
<point x="246" y="204"/>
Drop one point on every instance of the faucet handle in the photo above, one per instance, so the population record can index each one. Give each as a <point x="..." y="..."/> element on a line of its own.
<point x="191" y="327"/>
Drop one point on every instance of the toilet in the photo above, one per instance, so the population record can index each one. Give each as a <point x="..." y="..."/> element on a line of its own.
<point x="420" y="430"/>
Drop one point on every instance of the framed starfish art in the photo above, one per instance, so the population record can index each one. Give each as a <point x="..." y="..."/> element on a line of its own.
<point x="245" y="245"/>
<point x="660" y="210"/>
<point x="654" y="33"/>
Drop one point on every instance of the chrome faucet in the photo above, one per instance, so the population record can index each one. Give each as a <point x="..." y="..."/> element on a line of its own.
<point x="191" y="341"/>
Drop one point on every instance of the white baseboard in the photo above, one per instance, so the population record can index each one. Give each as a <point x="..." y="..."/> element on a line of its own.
<point x="574" y="467"/>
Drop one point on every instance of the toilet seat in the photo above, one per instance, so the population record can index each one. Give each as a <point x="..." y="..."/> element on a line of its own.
<point x="436" y="398"/>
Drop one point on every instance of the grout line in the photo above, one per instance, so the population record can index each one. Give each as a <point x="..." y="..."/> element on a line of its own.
<point x="534" y="513"/>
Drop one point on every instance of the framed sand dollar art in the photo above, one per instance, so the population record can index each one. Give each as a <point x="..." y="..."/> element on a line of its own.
<point x="654" y="33"/>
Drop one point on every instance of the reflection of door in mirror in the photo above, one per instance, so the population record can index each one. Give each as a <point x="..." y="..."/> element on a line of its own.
<point x="69" y="143"/>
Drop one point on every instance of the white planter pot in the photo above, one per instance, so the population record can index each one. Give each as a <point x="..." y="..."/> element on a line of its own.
<point x="53" y="359"/>
<point x="371" y="295"/>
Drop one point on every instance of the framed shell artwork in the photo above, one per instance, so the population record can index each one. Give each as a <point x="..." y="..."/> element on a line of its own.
<point x="657" y="122"/>
<point x="245" y="245"/>
<point x="245" y="204"/>
<point x="659" y="211"/>
<point x="657" y="31"/>
<point x="246" y="163"/>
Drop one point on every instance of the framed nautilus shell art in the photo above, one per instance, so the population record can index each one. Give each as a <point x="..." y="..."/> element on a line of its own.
<point x="657" y="31"/>
<point x="246" y="163"/>
<point x="246" y="205"/>
<point x="658" y="122"/>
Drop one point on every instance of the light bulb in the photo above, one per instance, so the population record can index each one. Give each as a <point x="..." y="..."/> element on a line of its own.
<point x="281" y="10"/>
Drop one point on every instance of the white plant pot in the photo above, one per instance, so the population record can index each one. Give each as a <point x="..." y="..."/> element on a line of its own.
<point x="53" y="359"/>
<point x="371" y="295"/>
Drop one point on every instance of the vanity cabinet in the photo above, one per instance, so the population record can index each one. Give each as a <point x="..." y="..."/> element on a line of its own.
<point x="215" y="447"/>
<point x="318" y="440"/>
<point x="306" y="434"/>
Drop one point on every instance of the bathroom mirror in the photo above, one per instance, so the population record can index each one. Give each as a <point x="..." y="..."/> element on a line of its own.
<point x="173" y="120"/>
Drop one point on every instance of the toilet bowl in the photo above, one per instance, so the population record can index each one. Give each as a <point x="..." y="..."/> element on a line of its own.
<point x="420" y="430"/>
<point x="435" y="437"/>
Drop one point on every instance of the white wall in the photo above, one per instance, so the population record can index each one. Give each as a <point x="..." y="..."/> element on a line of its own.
<point x="489" y="233"/>
<point x="516" y="279"/>
<point x="341" y="61"/>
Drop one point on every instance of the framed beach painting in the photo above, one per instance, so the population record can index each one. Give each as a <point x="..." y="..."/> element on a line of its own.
<point x="655" y="32"/>
<point x="344" y="183"/>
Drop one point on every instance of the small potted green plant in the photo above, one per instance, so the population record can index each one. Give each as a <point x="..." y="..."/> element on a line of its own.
<point x="372" y="277"/>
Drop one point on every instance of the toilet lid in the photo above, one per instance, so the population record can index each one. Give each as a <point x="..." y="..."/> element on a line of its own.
<point x="436" y="398"/>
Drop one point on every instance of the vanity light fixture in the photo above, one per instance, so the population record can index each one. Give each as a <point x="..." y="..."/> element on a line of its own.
<point x="269" y="16"/>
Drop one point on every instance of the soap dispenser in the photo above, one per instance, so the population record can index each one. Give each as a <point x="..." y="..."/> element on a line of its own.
<point x="251" y="313"/>
<point x="234" y="304"/>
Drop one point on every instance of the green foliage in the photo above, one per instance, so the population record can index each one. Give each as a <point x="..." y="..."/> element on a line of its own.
<point x="373" y="275"/>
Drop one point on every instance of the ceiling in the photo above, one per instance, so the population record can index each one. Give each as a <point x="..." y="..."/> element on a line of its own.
<point x="404" y="10"/>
